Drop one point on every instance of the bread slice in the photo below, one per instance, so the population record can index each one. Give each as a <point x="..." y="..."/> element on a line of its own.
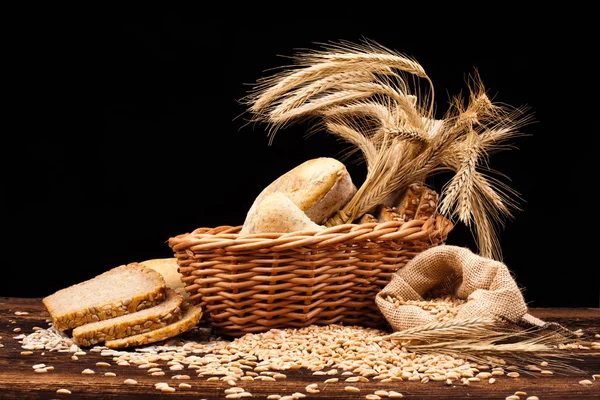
<point x="169" y="269"/>
<point x="407" y="208"/>
<point x="118" y="291"/>
<point x="131" y="324"/>
<point x="386" y="213"/>
<point x="427" y="204"/>
<point x="190" y="319"/>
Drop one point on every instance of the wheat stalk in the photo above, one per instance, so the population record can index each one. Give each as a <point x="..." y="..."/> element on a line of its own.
<point x="363" y="94"/>
<point x="482" y="339"/>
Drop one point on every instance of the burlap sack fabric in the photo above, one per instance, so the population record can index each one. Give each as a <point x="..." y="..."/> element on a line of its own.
<point x="486" y="284"/>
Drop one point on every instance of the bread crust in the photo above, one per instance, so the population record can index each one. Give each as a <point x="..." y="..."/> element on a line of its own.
<point x="190" y="319"/>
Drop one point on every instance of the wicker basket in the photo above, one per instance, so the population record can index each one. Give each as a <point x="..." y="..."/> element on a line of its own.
<point x="253" y="283"/>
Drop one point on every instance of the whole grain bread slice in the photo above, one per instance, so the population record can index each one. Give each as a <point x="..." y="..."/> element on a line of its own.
<point x="121" y="290"/>
<point x="190" y="319"/>
<point x="131" y="324"/>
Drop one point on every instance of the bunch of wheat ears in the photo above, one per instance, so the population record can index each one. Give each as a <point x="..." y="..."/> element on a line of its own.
<point x="372" y="98"/>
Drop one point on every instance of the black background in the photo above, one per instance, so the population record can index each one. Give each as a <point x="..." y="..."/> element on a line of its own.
<point x="122" y="131"/>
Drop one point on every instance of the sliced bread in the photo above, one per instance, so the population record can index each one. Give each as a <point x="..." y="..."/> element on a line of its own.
<point x="190" y="319"/>
<point x="131" y="324"/>
<point x="121" y="290"/>
<point x="169" y="269"/>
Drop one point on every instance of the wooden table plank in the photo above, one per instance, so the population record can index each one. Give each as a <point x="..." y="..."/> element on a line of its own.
<point x="19" y="381"/>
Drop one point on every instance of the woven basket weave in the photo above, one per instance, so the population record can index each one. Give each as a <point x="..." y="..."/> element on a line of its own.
<point x="253" y="283"/>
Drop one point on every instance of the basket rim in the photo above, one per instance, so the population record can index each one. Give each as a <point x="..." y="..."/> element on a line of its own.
<point x="204" y="239"/>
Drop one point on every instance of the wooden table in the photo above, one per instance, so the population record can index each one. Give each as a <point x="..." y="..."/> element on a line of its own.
<point x="19" y="381"/>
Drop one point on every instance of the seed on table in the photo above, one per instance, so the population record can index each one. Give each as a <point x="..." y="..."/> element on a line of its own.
<point x="157" y="373"/>
<point x="167" y="389"/>
<point x="382" y="393"/>
<point x="17" y="330"/>
<point x="331" y="380"/>
<point x="395" y="395"/>
<point x="40" y="370"/>
<point x="102" y="364"/>
<point x="36" y="366"/>
<point x="492" y="380"/>
<point x="180" y="377"/>
<point x="546" y="372"/>
<point x="110" y="374"/>
<point x="80" y="353"/>
<point x="520" y="393"/>
<point x="130" y="382"/>
<point x="533" y="398"/>
<point x="513" y="374"/>
<point x="63" y="391"/>
<point x="88" y="371"/>
<point x="233" y="390"/>
<point x="74" y="358"/>
<point x="26" y="353"/>
<point x="273" y="397"/>
<point x="512" y="397"/>
<point x="372" y="397"/>
<point x="585" y="382"/>
<point x="351" y="389"/>
<point x="544" y="363"/>
<point x="596" y="376"/>
<point x="185" y="386"/>
<point x="123" y="363"/>
<point x="312" y="386"/>
<point x="212" y="379"/>
<point x="298" y="395"/>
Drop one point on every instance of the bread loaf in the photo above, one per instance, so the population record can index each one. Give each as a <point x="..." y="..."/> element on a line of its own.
<point x="276" y="213"/>
<point x="131" y="324"/>
<point x="168" y="268"/>
<point x="318" y="187"/>
<point x="122" y="290"/>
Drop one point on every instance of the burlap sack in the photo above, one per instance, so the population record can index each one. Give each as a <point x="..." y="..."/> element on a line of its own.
<point x="486" y="284"/>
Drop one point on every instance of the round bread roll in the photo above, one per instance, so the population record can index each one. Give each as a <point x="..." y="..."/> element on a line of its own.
<point x="276" y="213"/>
<point x="167" y="267"/>
<point x="318" y="187"/>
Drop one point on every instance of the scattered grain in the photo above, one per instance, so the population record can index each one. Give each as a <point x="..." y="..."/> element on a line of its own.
<point x="585" y="382"/>
<point x="63" y="391"/>
<point x="533" y="398"/>
<point x="512" y="397"/>
<point x="331" y="380"/>
<point x="395" y="395"/>
<point x="351" y="389"/>
<point x="596" y="376"/>
<point x="184" y="385"/>
<point x="546" y="372"/>
<point x="520" y="393"/>
<point x="26" y="353"/>
<point x="372" y="397"/>
<point x="110" y="374"/>
<point x="130" y="382"/>
<point x="513" y="374"/>
<point x="492" y="380"/>
<point x="102" y="364"/>
<point x="17" y="330"/>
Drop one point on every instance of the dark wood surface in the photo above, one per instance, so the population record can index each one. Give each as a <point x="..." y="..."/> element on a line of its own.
<point x="19" y="381"/>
